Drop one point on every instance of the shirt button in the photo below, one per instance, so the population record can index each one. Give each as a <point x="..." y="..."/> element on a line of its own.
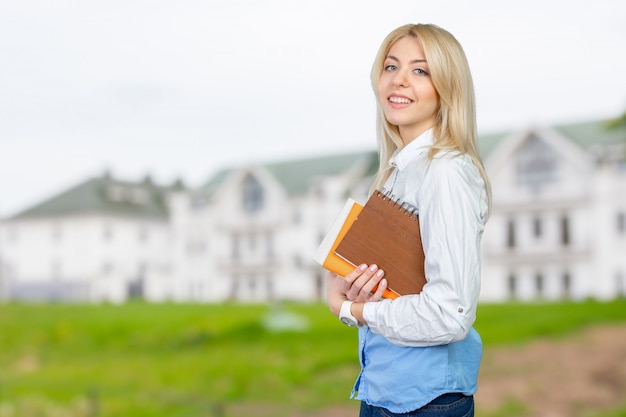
<point x="460" y="309"/>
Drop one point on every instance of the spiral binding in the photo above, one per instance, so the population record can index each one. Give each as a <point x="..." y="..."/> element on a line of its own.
<point x="407" y="209"/>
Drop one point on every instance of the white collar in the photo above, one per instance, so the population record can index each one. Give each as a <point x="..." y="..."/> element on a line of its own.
<point x="416" y="147"/>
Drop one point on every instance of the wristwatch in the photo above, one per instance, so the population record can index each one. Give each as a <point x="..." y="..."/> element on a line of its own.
<point x="346" y="316"/>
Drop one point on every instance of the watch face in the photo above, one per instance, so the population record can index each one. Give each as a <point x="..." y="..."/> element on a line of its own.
<point x="348" y="321"/>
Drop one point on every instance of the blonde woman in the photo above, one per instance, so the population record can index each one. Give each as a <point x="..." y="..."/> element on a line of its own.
<point x="419" y="353"/>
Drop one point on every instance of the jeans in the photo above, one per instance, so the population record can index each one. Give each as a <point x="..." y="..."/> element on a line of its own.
<point x="447" y="405"/>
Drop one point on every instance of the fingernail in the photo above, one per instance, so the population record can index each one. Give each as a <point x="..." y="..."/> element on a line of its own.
<point x="363" y="267"/>
<point x="380" y="273"/>
<point x="383" y="282"/>
<point x="373" y="267"/>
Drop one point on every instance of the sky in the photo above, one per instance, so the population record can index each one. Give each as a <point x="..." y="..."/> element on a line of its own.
<point x="181" y="89"/>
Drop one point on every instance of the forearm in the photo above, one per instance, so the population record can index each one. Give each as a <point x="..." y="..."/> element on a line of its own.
<point x="418" y="320"/>
<point x="364" y="284"/>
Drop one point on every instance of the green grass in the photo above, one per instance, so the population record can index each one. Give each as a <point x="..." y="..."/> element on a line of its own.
<point x="152" y="360"/>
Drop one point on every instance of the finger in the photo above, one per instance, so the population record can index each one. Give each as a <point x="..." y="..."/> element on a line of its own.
<point x="371" y="278"/>
<point x="356" y="291"/>
<point x="380" y="290"/>
<point x="370" y="286"/>
<point x="356" y="273"/>
<point x="365" y="277"/>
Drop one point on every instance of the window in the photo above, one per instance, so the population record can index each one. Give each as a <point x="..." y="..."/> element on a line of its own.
<point x="565" y="234"/>
<point x="621" y="223"/>
<point x="536" y="163"/>
<point x="252" y="283"/>
<point x="139" y="196"/>
<point x="566" y="283"/>
<point x="269" y="287"/>
<point x="510" y="234"/>
<point x="537" y="226"/>
<point x="236" y="250"/>
<point x="253" y="195"/>
<point x="269" y="239"/>
<point x="320" y="280"/>
<point x="512" y="284"/>
<point x="234" y="288"/>
<point x="252" y="241"/>
<point x="620" y="284"/>
<point x="539" y="284"/>
<point x="121" y="194"/>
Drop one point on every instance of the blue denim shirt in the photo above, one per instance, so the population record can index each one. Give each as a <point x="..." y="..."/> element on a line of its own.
<point x="403" y="379"/>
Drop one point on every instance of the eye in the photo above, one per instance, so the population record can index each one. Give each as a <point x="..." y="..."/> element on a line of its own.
<point x="390" y="67"/>
<point x="420" y="71"/>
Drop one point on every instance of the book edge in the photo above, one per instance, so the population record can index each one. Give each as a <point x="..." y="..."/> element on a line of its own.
<point x="326" y="246"/>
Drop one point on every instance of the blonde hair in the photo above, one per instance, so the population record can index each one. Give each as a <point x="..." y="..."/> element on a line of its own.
<point x="455" y="127"/>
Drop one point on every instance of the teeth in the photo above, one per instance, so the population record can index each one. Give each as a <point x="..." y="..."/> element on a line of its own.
<point x="399" y="100"/>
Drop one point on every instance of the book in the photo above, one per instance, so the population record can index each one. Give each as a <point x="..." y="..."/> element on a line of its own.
<point x="384" y="231"/>
<point x="325" y="254"/>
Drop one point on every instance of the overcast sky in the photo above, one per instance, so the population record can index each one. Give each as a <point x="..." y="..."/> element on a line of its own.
<point x="183" y="88"/>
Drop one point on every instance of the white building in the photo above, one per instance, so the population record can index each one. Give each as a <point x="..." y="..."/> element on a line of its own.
<point x="558" y="228"/>
<point x="97" y="241"/>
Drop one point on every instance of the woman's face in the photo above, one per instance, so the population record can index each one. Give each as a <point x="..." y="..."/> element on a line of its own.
<point x="405" y="89"/>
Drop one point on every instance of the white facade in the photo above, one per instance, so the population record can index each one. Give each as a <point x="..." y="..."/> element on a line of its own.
<point x="90" y="257"/>
<point x="557" y="231"/>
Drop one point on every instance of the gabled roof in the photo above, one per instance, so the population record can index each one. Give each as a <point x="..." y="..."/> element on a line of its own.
<point x="583" y="134"/>
<point x="589" y="134"/>
<point x="105" y="195"/>
<point x="296" y="176"/>
<point x="146" y="199"/>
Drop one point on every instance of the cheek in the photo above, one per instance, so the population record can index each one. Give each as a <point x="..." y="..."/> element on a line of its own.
<point x="432" y="95"/>
<point x="380" y="93"/>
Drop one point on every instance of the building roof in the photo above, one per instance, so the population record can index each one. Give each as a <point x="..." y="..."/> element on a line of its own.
<point x="105" y="195"/>
<point x="584" y="134"/>
<point x="297" y="176"/>
<point x="596" y="133"/>
<point x="146" y="199"/>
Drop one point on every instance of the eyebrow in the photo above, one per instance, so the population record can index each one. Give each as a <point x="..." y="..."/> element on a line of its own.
<point x="415" y="61"/>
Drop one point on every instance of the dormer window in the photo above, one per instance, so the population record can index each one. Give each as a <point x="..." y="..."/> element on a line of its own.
<point x="133" y="195"/>
<point x="253" y="194"/>
<point x="536" y="163"/>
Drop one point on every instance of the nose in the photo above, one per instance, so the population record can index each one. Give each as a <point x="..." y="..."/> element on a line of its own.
<point x="400" y="79"/>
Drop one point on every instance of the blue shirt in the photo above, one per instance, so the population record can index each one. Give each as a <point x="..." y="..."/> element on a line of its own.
<point x="403" y="379"/>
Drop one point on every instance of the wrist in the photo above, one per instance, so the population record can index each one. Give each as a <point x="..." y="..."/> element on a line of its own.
<point x="335" y="303"/>
<point x="346" y="316"/>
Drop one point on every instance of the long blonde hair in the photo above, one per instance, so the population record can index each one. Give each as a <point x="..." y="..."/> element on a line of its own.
<point x="455" y="127"/>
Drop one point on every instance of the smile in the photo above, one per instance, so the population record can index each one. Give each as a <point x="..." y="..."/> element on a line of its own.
<point x="399" y="100"/>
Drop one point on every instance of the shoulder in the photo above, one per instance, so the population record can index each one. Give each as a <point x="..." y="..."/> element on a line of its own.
<point x="453" y="164"/>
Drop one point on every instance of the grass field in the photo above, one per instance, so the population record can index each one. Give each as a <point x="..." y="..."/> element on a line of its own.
<point x="149" y="360"/>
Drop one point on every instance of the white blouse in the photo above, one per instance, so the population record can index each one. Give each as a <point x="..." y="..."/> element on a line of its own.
<point x="450" y="197"/>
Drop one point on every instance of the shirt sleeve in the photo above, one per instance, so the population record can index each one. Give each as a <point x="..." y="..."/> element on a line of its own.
<point x="452" y="210"/>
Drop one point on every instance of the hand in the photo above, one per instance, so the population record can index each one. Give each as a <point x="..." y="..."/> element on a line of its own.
<point x="361" y="285"/>
<point x="366" y="284"/>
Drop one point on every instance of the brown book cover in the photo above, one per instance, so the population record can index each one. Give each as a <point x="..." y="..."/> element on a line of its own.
<point x="386" y="233"/>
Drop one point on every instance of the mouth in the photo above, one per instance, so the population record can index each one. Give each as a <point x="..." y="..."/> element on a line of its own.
<point x="399" y="100"/>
